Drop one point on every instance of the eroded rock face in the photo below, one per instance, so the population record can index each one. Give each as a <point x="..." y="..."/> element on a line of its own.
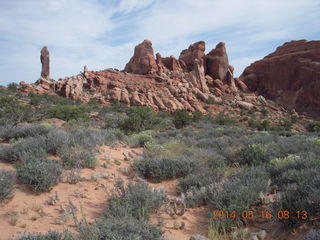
<point x="45" y="62"/>
<point x="195" y="51"/>
<point x="143" y="61"/>
<point x="218" y="63"/>
<point x="290" y="76"/>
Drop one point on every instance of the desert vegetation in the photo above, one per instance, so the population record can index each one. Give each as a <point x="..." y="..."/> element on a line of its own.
<point x="218" y="164"/>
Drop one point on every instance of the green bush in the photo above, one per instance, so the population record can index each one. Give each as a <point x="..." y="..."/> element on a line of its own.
<point x="57" y="141"/>
<point x="136" y="201"/>
<point x="46" y="99"/>
<point x="140" y="119"/>
<point x="12" y="87"/>
<point x="140" y="139"/>
<point x="14" y="112"/>
<point x="197" y="181"/>
<point x="181" y="118"/>
<point x="24" y="149"/>
<point x="68" y="112"/>
<point x="51" y="235"/>
<point x="6" y="184"/>
<point x="222" y="119"/>
<point x="253" y="154"/>
<point x="120" y="229"/>
<point x="79" y="158"/>
<point x="236" y="193"/>
<point x="16" y="132"/>
<point x="40" y="174"/>
<point x="313" y="126"/>
<point x="162" y="168"/>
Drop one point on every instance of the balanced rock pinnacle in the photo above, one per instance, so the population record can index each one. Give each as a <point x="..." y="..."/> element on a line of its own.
<point x="45" y="61"/>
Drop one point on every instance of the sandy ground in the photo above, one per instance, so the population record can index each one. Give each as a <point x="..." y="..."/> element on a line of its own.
<point x="27" y="212"/>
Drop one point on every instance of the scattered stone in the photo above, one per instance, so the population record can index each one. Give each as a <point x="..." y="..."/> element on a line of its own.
<point x="197" y="237"/>
<point x="245" y="105"/>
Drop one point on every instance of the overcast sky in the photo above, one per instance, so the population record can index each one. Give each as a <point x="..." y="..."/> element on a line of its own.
<point x="102" y="33"/>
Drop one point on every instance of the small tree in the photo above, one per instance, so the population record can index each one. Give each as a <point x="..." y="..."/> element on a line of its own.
<point x="181" y="118"/>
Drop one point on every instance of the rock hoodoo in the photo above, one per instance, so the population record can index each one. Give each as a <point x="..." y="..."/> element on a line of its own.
<point x="143" y="61"/>
<point x="195" y="51"/>
<point x="217" y="62"/>
<point x="290" y="76"/>
<point x="45" y="61"/>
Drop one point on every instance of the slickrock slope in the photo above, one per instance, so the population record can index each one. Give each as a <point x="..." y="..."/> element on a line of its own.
<point x="162" y="83"/>
<point x="290" y="76"/>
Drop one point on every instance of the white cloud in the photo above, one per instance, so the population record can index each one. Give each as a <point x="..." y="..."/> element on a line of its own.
<point x="102" y="33"/>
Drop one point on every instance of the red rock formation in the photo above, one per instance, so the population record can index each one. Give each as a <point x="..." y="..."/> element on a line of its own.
<point x="217" y="62"/>
<point x="143" y="61"/>
<point x="195" y="51"/>
<point x="289" y="76"/>
<point x="45" y="62"/>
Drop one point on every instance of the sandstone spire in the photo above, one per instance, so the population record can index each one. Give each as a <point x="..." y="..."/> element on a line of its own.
<point x="45" y="61"/>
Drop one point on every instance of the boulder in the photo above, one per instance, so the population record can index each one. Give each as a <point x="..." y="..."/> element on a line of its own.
<point x="245" y="105"/>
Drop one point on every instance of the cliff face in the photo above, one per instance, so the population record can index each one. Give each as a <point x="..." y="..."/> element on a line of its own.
<point x="290" y="76"/>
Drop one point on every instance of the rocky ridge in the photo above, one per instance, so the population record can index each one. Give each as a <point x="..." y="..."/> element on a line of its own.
<point x="162" y="83"/>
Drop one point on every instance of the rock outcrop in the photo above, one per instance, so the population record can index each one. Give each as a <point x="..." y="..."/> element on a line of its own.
<point x="143" y="61"/>
<point x="195" y="51"/>
<point x="218" y="63"/>
<point x="164" y="83"/>
<point x="45" y="62"/>
<point x="290" y="76"/>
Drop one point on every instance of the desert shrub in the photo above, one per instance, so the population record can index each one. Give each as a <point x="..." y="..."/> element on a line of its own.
<point x="87" y="138"/>
<point x="46" y="99"/>
<point x="253" y="154"/>
<point x="57" y="141"/>
<point x="162" y="168"/>
<point x="259" y="125"/>
<point x="313" y="126"/>
<point x="24" y="149"/>
<point x="16" y="132"/>
<point x="51" y="235"/>
<point x="237" y="193"/>
<point x="123" y="228"/>
<point x="6" y="184"/>
<point x="40" y="174"/>
<point x="181" y="118"/>
<point x="12" y="87"/>
<point x="282" y="125"/>
<point x="79" y="158"/>
<point x="313" y="234"/>
<point x="140" y="139"/>
<point x="140" y="119"/>
<point x="68" y="112"/>
<point x="114" y="119"/>
<point x="136" y="201"/>
<point x="13" y="111"/>
<point x="197" y="181"/>
<point x="223" y="119"/>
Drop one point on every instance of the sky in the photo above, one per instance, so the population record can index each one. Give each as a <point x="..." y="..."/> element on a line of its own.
<point x="102" y="33"/>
